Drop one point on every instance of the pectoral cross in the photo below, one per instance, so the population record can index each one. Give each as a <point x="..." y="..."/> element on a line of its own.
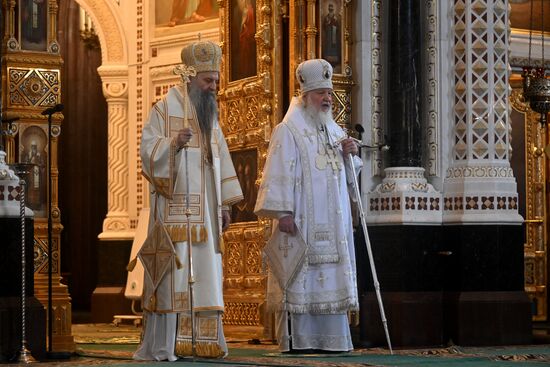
<point x="332" y="159"/>
<point x="285" y="246"/>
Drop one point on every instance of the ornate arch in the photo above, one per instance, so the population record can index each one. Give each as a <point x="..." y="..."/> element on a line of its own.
<point x="114" y="48"/>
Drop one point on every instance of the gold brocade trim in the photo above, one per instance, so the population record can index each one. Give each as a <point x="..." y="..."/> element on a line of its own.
<point x="179" y="233"/>
<point x="202" y="349"/>
<point x="167" y="311"/>
<point x="146" y="177"/>
<point x="162" y="186"/>
<point x="208" y="308"/>
<point x="161" y="111"/>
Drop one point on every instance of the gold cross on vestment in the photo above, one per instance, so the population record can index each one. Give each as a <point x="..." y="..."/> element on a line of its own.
<point x="185" y="72"/>
<point x="332" y="159"/>
<point x="285" y="246"/>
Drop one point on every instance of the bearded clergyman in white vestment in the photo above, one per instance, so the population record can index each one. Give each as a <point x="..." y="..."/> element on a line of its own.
<point x="305" y="190"/>
<point x="185" y="123"/>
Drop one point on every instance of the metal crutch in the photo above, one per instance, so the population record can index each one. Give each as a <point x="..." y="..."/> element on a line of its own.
<point x="369" y="251"/>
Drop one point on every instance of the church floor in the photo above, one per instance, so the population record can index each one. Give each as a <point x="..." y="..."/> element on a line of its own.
<point x="104" y="344"/>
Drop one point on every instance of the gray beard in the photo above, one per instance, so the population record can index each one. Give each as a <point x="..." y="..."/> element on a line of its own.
<point x="205" y="106"/>
<point x="317" y="117"/>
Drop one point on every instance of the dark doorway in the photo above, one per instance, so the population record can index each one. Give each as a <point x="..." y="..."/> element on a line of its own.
<point x="82" y="158"/>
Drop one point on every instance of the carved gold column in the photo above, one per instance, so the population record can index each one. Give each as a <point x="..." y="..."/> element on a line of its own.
<point x="311" y="30"/>
<point x="53" y="46"/>
<point x="61" y="306"/>
<point x="297" y="51"/>
<point x="115" y="89"/>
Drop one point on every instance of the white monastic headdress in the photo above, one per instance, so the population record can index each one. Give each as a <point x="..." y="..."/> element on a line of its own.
<point x="314" y="74"/>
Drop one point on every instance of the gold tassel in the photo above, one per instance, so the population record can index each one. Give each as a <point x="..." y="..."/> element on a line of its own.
<point x="131" y="265"/>
<point x="202" y="349"/>
<point x="194" y="235"/>
<point x="179" y="265"/>
<point x="204" y="235"/>
<point x="179" y="233"/>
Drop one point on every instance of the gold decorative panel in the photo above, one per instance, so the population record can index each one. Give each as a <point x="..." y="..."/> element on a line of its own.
<point x="244" y="278"/>
<point x="33" y="87"/>
<point x="248" y="96"/>
<point x="536" y="204"/>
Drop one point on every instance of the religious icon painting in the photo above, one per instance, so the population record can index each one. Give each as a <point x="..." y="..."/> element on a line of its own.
<point x="33" y="145"/>
<point x="33" y="24"/>
<point x="173" y="17"/>
<point x="171" y="13"/>
<point x="242" y="28"/>
<point x="331" y="41"/>
<point x="246" y="167"/>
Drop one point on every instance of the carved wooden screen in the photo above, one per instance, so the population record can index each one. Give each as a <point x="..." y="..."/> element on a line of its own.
<point x="249" y="92"/>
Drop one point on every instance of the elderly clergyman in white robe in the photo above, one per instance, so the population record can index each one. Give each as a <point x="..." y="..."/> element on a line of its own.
<point x="305" y="189"/>
<point x="213" y="187"/>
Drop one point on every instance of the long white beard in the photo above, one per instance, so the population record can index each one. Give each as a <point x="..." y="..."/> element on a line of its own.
<point x="317" y="117"/>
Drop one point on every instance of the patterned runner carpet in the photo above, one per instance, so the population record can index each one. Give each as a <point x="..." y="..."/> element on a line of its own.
<point x="103" y="344"/>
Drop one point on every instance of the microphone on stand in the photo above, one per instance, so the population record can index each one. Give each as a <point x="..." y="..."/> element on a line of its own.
<point x="369" y="148"/>
<point x="51" y="110"/>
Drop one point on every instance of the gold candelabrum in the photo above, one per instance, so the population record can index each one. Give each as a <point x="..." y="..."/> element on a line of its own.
<point x="87" y="31"/>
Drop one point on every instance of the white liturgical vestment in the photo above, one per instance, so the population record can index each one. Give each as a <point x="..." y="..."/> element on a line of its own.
<point x="306" y="175"/>
<point x="212" y="184"/>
